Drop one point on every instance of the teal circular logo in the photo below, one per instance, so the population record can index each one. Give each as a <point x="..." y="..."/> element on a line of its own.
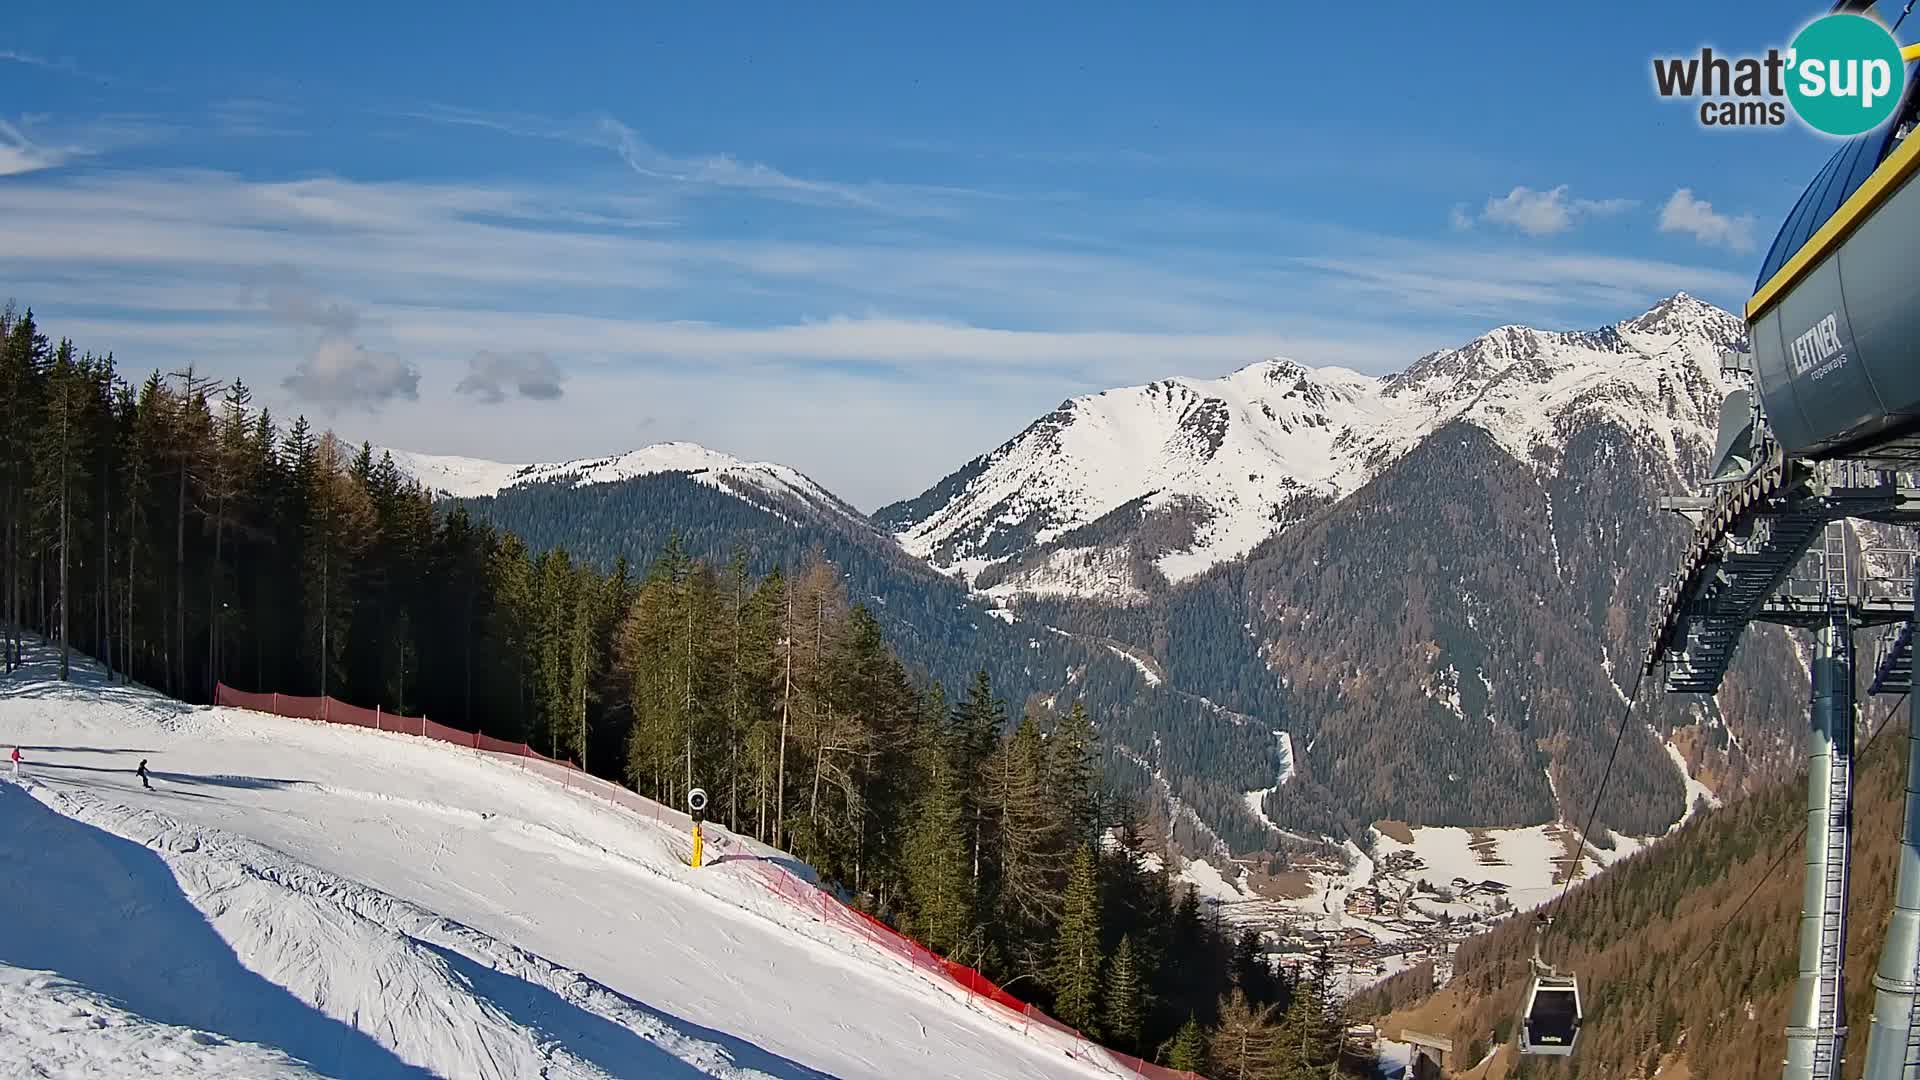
<point x="1845" y="74"/>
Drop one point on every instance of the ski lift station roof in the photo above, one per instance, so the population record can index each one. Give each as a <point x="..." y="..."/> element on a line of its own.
<point x="1832" y="318"/>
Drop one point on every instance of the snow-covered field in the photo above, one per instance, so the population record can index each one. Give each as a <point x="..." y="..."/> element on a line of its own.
<point x="295" y="899"/>
<point x="1521" y="859"/>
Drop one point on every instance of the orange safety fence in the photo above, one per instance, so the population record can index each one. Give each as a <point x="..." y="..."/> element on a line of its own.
<point x="778" y="880"/>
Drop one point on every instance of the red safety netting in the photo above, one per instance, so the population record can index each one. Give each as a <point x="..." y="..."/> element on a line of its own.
<point x="824" y="906"/>
<point x="335" y="711"/>
<point x="339" y="712"/>
<point x="500" y="746"/>
<point x="783" y="883"/>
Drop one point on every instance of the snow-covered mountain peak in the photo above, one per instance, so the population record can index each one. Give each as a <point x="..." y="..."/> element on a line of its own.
<point x="1682" y="315"/>
<point x="755" y="481"/>
<point x="1209" y="468"/>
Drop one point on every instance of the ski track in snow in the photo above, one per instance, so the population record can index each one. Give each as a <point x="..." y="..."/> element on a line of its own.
<point x="1256" y="800"/>
<point x="294" y="899"/>
<point x="1696" y="791"/>
<point x="1145" y="671"/>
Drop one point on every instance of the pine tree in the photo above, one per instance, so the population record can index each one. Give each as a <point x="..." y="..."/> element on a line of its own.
<point x="1251" y="972"/>
<point x="1076" y="958"/>
<point x="939" y="877"/>
<point x="1125" y="1011"/>
<point x="60" y="491"/>
<point x="1074" y="774"/>
<point x="977" y="725"/>
<point x="339" y="521"/>
<point x="1188" y="1050"/>
<point x="1309" y="1039"/>
<point x="1246" y="1045"/>
<point x="1024" y="848"/>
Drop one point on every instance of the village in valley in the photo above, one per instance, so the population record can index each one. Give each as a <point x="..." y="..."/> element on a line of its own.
<point x="1412" y="898"/>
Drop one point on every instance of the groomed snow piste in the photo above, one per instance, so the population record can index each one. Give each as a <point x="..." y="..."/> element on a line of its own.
<point x="298" y="899"/>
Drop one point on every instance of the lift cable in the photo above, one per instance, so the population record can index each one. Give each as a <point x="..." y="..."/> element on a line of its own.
<point x="1908" y="10"/>
<point x="1764" y="878"/>
<point x="1792" y="845"/>
<point x="1593" y="814"/>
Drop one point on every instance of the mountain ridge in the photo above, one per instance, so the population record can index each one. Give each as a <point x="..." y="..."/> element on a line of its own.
<point x="1126" y="587"/>
<point x="1218" y="466"/>
<point x="753" y="481"/>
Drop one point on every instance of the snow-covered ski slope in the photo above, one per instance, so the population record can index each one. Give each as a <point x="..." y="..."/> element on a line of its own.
<point x="294" y="899"/>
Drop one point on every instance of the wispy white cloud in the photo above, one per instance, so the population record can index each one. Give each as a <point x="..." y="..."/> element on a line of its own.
<point x="1543" y="213"/>
<point x="1536" y="288"/>
<point x="15" y="56"/>
<point x="417" y="299"/>
<point x="1684" y="213"/>
<point x="709" y="172"/>
<point x="253" y="118"/>
<point x="19" y="154"/>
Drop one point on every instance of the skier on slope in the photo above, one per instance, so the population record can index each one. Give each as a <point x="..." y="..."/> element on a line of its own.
<point x="16" y="763"/>
<point x="142" y="770"/>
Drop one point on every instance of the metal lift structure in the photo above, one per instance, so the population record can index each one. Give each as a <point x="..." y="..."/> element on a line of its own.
<point x="1823" y="428"/>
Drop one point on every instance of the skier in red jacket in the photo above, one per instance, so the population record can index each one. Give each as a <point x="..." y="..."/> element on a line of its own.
<point x="16" y="763"/>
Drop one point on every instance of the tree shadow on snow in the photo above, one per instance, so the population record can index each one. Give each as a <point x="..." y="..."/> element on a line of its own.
<point x="185" y="779"/>
<point x="26" y="749"/>
<point x="109" y="914"/>
<point x="613" y="1048"/>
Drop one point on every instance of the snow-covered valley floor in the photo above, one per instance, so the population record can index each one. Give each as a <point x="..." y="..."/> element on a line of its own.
<point x="295" y="899"/>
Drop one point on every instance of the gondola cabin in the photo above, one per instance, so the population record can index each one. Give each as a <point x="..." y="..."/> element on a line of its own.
<point x="1551" y="1023"/>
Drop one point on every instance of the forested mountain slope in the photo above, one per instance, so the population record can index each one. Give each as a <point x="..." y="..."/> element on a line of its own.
<point x="1442" y="618"/>
<point x="1671" y="963"/>
<point x="1156" y="744"/>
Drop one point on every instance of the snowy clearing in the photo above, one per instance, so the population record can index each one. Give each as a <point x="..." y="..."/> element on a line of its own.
<point x="371" y="904"/>
<point x="1521" y="859"/>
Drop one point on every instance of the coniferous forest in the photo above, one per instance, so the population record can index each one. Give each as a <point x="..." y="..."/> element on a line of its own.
<point x="167" y="527"/>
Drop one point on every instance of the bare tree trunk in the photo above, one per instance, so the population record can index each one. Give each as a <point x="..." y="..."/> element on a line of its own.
<point x="213" y="595"/>
<point x="127" y="615"/>
<point x="66" y="649"/>
<point x="687" y="603"/>
<point x="786" y="703"/>
<point x="105" y="606"/>
<point x="180" y="578"/>
<point x="467" y="636"/>
<point x="13" y="586"/>
<point x="733" y="710"/>
<point x="326" y="603"/>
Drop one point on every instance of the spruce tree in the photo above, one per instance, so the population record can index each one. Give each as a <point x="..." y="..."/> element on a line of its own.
<point x="1246" y="1045"/>
<point x="1076" y="958"/>
<point x="1309" y="1039"/>
<point x="1250" y="970"/>
<point x="939" y="878"/>
<point x="1125" y="1009"/>
<point x="1188" y="1050"/>
<point x="977" y="725"/>
<point x="1074" y="774"/>
<point x="1023" y="849"/>
<point x="60" y="491"/>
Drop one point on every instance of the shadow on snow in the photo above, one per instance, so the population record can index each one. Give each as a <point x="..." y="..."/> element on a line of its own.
<point x="608" y="1045"/>
<point x="108" y="914"/>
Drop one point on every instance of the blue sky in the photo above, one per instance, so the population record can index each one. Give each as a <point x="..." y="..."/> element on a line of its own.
<point x="867" y="240"/>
